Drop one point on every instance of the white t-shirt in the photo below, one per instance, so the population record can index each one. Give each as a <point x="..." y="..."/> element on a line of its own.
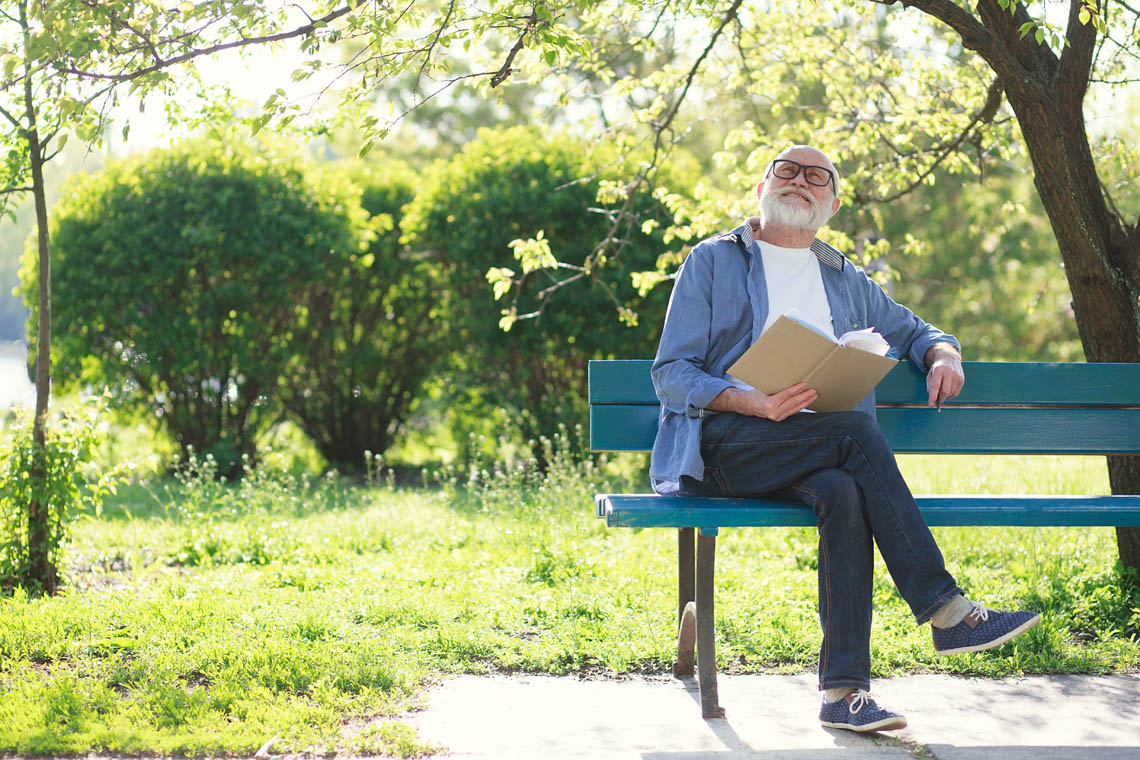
<point x="794" y="284"/>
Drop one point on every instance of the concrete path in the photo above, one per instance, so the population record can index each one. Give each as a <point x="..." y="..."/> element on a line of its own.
<point x="775" y="718"/>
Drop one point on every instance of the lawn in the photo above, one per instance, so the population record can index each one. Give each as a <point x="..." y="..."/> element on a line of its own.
<point x="207" y="619"/>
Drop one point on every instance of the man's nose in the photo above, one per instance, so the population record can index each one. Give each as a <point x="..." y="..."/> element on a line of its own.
<point x="800" y="180"/>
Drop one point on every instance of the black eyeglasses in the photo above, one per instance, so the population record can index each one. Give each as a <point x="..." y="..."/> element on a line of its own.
<point x="820" y="176"/>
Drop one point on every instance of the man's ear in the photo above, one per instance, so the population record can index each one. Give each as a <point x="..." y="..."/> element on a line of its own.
<point x="760" y="189"/>
<point x="835" y="204"/>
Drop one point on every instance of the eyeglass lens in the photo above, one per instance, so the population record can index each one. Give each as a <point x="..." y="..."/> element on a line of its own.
<point x="815" y="175"/>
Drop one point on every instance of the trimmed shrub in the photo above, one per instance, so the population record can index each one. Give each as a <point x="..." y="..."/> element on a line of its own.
<point x="374" y="330"/>
<point x="510" y="184"/>
<point x="181" y="278"/>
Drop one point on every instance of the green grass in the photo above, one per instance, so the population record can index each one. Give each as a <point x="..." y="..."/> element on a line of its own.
<point x="204" y="619"/>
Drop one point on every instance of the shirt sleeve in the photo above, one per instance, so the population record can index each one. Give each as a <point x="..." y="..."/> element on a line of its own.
<point x="909" y="335"/>
<point x="679" y="370"/>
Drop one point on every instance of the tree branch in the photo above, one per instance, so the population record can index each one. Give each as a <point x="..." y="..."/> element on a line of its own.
<point x="15" y="123"/>
<point x="12" y="190"/>
<point x="984" y="115"/>
<point x="505" y="70"/>
<point x="974" y="35"/>
<point x="434" y="42"/>
<point x="147" y="42"/>
<point x="245" y="41"/>
<point x="1018" y="55"/>
<point x="1076" y="59"/>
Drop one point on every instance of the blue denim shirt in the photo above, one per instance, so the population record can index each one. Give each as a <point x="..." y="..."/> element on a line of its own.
<point x="717" y="310"/>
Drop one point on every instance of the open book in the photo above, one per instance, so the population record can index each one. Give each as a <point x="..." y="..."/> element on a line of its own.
<point x="841" y="371"/>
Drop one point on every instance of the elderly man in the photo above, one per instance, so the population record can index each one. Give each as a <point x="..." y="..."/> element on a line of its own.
<point x="719" y="436"/>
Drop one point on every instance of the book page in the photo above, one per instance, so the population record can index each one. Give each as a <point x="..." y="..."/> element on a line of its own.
<point x="866" y="340"/>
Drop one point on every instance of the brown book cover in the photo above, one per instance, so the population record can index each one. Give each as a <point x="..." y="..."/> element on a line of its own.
<point x="790" y="351"/>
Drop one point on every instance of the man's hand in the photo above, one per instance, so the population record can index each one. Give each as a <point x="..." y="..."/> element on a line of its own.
<point x="757" y="403"/>
<point x="944" y="375"/>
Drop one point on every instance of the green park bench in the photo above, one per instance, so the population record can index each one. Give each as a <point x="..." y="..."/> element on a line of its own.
<point x="1005" y="408"/>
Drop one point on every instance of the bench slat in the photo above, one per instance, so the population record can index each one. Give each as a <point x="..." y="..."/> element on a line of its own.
<point x="621" y="427"/>
<point x="1028" y="383"/>
<point x="652" y="511"/>
<point x="1012" y="431"/>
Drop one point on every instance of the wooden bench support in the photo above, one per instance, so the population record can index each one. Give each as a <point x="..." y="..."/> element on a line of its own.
<point x="706" y="645"/>
<point x="686" y="604"/>
<point x="686" y="641"/>
<point x="686" y="570"/>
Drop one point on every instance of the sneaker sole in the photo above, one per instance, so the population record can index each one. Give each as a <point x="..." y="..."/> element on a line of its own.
<point x="1030" y="623"/>
<point x="886" y="724"/>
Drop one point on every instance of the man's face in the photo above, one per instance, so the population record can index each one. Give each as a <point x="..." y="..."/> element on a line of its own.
<point x="796" y="202"/>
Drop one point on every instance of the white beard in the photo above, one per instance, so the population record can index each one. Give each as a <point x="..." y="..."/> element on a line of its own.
<point x="775" y="209"/>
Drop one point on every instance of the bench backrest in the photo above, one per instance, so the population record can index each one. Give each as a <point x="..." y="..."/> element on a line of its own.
<point x="1006" y="408"/>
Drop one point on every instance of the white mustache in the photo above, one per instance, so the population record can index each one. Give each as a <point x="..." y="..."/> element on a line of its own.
<point x="798" y="194"/>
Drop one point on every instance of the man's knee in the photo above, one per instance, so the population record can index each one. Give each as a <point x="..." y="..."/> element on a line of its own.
<point x="862" y="429"/>
<point x="838" y="485"/>
<point x="830" y="490"/>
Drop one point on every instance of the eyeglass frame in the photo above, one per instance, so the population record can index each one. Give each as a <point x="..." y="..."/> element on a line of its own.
<point x="802" y="169"/>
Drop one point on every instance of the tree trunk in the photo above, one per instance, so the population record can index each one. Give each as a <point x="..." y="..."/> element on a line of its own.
<point x="41" y="567"/>
<point x="1124" y="477"/>
<point x="1100" y="254"/>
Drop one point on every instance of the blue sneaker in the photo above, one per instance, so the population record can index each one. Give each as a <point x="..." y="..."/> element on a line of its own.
<point x="982" y="629"/>
<point x="858" y="712"/>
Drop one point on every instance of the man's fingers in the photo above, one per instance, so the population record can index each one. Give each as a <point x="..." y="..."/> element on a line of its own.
<point x="791" y="404"/>
<point x="943" y="383"/>
<point x="932" y="388"/>
<point x="957" y="382"/>
<point x="787" y="393"/>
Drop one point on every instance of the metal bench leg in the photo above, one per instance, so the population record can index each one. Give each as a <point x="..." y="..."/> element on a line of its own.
<point x="706" y="648"/>
<point x="686" y="607"/>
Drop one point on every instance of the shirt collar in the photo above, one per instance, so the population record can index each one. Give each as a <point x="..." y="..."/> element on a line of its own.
<point x="824" y="252"/>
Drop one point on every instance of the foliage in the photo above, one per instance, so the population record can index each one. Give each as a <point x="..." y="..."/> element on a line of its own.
<point x="507" y="186"/>
<point x="70" y="484"/>
<point x="181" y="278"/>
<point x="978" y="258"/>
<point x="373" y="331"/>
<point x="205" y="617"/>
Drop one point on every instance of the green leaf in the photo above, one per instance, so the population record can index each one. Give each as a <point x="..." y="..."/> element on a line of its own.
<point x="1084" y="15"/>
<point x="501" y="279"/>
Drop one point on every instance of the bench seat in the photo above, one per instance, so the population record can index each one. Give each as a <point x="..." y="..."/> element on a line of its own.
<point x="710" y="513"/>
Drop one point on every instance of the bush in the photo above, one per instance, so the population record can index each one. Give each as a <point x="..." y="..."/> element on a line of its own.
<point x="181" y="277"/>
<point x="511" y="184"/>
<point x="374" y="330"/>
<point x="35" y="513"/>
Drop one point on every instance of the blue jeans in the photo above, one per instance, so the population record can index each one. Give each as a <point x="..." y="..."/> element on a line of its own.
<point x="840" y="465"/>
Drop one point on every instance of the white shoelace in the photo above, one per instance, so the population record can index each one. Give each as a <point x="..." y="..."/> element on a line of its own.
<point x="981" y="611"/>
<point x="862" y="697"/>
